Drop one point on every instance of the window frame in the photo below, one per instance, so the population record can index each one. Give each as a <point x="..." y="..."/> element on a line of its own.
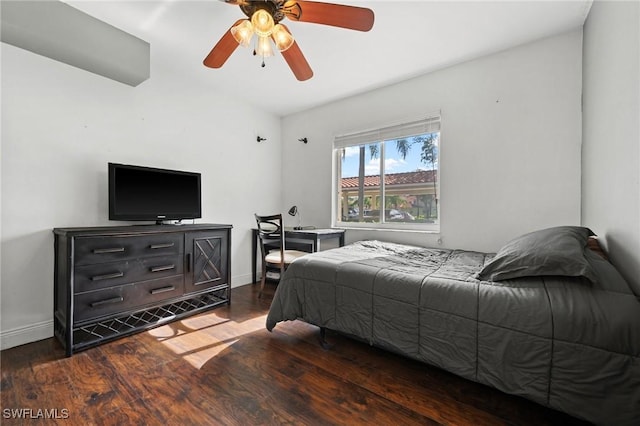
<point x="427" y="124"/>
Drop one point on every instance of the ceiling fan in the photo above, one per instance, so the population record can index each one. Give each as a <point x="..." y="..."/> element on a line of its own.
<point x="264" y="21"/>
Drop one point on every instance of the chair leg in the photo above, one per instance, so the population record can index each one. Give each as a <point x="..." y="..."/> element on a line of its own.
<point x="263" y="279"/>
<point x="261" y="287"/>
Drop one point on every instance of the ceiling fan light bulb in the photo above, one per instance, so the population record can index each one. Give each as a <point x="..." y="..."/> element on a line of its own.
<point x="282" y="37"/>
<point x="243" y="33"/>
<point x="264" y="47"/>
<point x="262" y="22"/>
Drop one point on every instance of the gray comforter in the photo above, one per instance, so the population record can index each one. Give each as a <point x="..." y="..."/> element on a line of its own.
<point x="563" y="342"/>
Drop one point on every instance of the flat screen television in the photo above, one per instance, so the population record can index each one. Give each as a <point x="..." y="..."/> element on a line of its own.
<point x="146" y="193"/>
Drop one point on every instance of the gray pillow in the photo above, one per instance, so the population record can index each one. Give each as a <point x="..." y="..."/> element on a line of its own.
<point x="552" y="251"/>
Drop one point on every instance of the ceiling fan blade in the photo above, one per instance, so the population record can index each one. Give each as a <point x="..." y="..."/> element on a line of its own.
<point x="222" y="50"/>
<point x="336" y="15"/>
<point x="297" y="62"/>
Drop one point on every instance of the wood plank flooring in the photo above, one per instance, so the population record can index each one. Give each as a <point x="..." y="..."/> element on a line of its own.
<point x="223" y="367"/>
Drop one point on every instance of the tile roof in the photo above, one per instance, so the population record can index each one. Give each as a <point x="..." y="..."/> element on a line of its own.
<point x="390" y="179"/>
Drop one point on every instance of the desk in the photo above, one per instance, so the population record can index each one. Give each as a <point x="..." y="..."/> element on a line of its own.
<point x="311" y="237"/>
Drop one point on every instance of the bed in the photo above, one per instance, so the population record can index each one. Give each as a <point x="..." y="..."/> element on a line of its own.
<point x="546" y="318"/>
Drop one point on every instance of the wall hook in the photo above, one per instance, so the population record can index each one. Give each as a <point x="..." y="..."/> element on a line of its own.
<point x="259" y="139"/>
<point x="303" y="140"/>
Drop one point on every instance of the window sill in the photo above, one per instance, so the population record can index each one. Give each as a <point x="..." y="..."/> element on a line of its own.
<point x="416" y="230"/>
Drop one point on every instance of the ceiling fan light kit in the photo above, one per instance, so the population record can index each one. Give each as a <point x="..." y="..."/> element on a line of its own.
<point x="264" y="21"/>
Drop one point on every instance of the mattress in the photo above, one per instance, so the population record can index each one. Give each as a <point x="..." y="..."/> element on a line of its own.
<point x="563" y="342"/>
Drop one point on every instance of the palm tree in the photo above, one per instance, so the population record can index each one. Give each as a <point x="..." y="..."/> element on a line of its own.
<point x="428" y="155"/>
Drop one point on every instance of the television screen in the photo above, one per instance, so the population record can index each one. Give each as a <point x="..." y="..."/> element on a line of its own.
<point x="145" y="193"/>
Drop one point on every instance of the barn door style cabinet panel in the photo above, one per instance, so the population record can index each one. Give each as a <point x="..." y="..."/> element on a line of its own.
<point x="114" y="281"/>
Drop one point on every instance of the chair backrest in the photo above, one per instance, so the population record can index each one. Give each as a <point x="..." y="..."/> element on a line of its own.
<point x="271" y="233"/>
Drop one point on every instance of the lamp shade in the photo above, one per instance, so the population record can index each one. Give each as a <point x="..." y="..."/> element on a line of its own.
<point x="262" y="22"/>
<point x="243" y="33"/>
<point x="264" y="47"/>
<point x="282" y="37"/>
<point x="293" y="211"/>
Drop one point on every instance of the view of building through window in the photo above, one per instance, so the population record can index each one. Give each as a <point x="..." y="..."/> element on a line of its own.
<point x="408" y="193"/>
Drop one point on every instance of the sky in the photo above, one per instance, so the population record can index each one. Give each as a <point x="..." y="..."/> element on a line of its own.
<point x="394" y="163"/>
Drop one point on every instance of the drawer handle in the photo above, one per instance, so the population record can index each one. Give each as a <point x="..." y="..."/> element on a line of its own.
<point x="106" y="302"/>
<point x="161" y="246"/>
<point x="162" y="268"/>
<point x="109" y="250"/>
<point x="107" y="276"/>
<point x="162" y="289"/>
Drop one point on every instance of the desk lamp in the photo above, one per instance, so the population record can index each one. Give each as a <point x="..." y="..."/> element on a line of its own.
<point x="293" y="211"/>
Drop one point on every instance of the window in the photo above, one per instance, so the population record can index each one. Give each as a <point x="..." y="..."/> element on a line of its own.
<point x="407" y="195"/>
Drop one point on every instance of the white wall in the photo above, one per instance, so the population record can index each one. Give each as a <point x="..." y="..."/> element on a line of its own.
<point x="510" y="150"/>
<point x="62" y="125"/>
<point x="611" y="128"/>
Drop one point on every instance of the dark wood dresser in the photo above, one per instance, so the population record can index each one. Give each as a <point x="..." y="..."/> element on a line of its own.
<point x="116" y="280"/>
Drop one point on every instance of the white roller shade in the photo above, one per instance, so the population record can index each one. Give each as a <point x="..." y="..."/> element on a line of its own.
<point x="421" y="126"/>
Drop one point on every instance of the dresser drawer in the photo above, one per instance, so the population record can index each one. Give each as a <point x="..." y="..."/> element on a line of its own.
<point x="103" y="275"/>
<point x="117" y="299"/>
<point x="97" y="249"/>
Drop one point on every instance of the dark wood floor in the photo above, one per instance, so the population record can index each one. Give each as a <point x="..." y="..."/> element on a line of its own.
<point x="224" y="367"/>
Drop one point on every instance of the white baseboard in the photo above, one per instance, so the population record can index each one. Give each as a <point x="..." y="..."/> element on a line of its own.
<point x="240" y="280"/>
<point x="26" y="334"/>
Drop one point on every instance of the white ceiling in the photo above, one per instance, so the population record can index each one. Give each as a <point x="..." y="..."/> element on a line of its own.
<point x="408" y="38"/>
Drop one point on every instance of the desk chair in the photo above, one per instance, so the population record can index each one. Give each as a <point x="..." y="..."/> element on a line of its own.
<point x="272" y="246"/>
